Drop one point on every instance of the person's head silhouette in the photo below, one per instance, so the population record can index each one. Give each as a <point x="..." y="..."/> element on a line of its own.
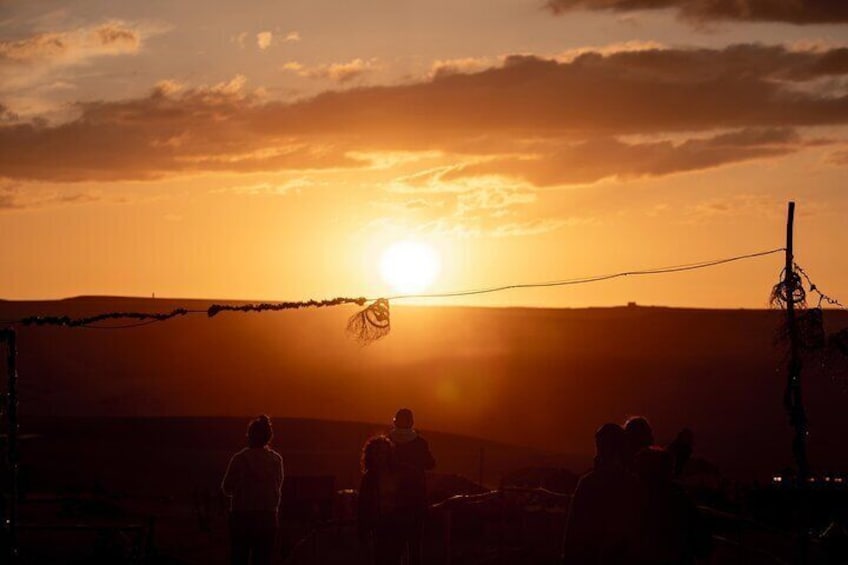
<point x="259" y="431"/>
<point x="609" y="445"/>
<point x="403" y="418"/>
<point x="639" y="432"/>
<point x="376" y="454"/>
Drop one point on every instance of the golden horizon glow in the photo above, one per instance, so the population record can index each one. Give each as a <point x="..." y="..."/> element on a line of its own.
<point x="548" y="143"/>
<point x="410" y="266"/>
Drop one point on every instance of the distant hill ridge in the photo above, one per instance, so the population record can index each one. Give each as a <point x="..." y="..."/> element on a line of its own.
<point x="544" y="378"/>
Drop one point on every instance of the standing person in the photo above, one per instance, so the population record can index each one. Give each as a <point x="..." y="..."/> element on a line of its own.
<point x="603" y="508"/>
<point x="391" y="499"/>
<point x="254" y="481"/>
<point x="639" y="435"/>
<point x="412" y="449"/>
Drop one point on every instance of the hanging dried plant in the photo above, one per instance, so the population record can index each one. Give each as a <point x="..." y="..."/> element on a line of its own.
<point x="371" y="323"/>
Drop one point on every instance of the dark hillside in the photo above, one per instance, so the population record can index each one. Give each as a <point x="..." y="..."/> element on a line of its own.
<point x="535" y="377"/>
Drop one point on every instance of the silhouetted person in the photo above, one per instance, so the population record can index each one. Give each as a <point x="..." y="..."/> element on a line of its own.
<point x="639" y="435"/>
<point x="671" y="530"/>
<point x="254" y="481"/>
<point x="412" y="449"/>
<point x="391" y="502"/>
<point x="602" y="509"/>
<point x="681" y="450"/>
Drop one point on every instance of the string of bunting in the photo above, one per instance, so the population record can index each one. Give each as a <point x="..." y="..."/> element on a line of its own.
<point x="369" y="324"/>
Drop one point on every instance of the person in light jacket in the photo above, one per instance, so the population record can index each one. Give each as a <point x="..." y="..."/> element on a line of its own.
<point x="254" y="481"/>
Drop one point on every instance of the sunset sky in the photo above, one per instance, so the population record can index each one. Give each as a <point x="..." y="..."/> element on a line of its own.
<point x="273" y="149"/>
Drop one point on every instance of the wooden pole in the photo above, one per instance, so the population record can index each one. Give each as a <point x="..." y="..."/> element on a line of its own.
<point x="792" y="398"/>
<point x="11" y="518"/>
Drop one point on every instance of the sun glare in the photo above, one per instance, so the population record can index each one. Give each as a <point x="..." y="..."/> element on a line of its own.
<point x="409" y="266"/>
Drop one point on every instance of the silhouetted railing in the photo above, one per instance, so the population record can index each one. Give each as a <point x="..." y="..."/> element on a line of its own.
<point x="449" y="506"/>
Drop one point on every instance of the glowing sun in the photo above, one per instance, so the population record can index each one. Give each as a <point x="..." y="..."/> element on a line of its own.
<point x="409" y="266"/>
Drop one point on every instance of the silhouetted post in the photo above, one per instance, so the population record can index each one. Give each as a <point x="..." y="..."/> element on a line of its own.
<point x="792" y="399"/>
<point x="11" y="518"/>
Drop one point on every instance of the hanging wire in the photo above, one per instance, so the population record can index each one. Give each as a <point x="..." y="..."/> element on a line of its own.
<point x="814" y="288"/>
<point x="592" y="279"/>
<point x="369" y="324"/>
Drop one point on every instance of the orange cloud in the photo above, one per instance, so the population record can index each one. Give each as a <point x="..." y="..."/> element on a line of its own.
<point x="444" y="67"/>
<point x="337" y="72"/>
<point x="13" y="196"/>
<point x="68" y="47"/>
<point x="263" y="39"/>
<point x="592" y="160"/>
<point x="521" y="118"/>
<point x="839" y="158"/>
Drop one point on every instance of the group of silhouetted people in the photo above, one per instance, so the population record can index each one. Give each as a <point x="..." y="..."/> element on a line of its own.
<point x="392" y="499"/>
<point x="629" y="509"/>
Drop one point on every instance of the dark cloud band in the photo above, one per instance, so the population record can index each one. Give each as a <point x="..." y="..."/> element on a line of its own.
<point x="787" y="11"/>
<point x="527" y="104"/>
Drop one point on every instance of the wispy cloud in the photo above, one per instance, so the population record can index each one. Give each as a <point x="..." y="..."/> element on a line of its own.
<point x="267" y="188"/>
<point x="74" y="46"/>
<point x="336" y="72"/>
<point x="741" y="206"/>
<point x="33" y="68"/>
<point x="444" y="67"/>
<point x="15" y="196"/>
<point x="609" y="49"/>
<point x="6" y="115"/>
<point x="454" y="227"/>
<point x="264" y="39"/>
<point x="240" y="39"/>
<point x="495" y="200"/>
<point x="839" y="157"/>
